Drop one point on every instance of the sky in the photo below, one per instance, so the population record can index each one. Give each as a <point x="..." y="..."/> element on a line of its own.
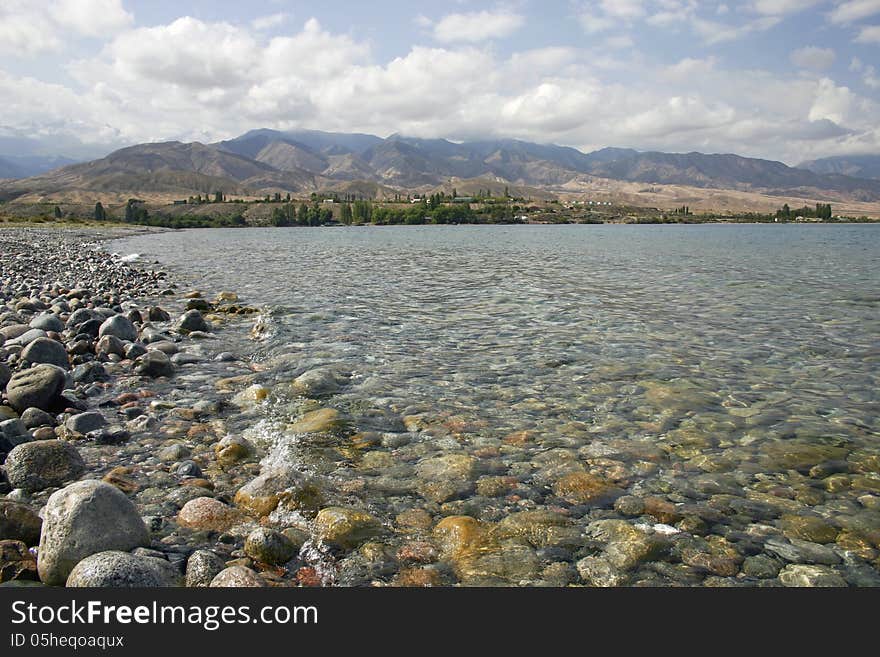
<point x="786" y="80"/>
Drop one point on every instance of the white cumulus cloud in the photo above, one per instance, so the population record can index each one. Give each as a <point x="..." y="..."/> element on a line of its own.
<point x="813" y="58"/>
<point x="477" y="26"/>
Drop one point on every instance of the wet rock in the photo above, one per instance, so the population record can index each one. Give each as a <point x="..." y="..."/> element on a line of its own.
<point x="38" y="387"/>
<point x="279" y="487"/>
<point x="174" y="452"/>
<point x="82" y="519"/>
<point x="154" y="364"/>
<point x="19" y="522"/>
<point x="761" y="566"/>
<point x="44" y="350"/>
<point x="41" y="464"/>
<point x="115" y="569"/>
<point x="323" y="420"/>
<point x="192" y="321"/>
<point x="237" y="577"/>
<point x="269" y="546"/>
<point x="629" y="505"/>
<point x="598" y="571"/>
<point x="202" y="567"/>
<point x="320" y="381"/>
<point x="120" y="327"/>
<point x="586" y="488"/>
<point x="5" y="373"/>
<point x="156" y="314"/>
<point x="626" y="546"/>
<point x="810" y="576"/>
<point x="208" y="514"/>
<point x="346" y="527"/>
<point x="233" y="449"/>
<point x="808" y="528"/>
<point x="83" y="423"/>
<point x="540" y="528"/>
<point x="446" y="477"/>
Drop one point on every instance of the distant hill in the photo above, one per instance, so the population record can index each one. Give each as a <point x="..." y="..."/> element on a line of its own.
<point x="860" y="166"/>
<point x="267" y="161"/>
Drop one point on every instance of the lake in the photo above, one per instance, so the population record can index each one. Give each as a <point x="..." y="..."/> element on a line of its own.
<point x="714" y="387"/>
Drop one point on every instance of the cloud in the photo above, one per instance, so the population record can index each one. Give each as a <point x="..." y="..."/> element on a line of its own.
<point x="869" y="34"/>
<point x="269" y="21"/>
<point x="91" y="18"/>
<point x="782" y="7"/>
<point x="813" y="58"/>
<point x="854" y="10"/>
<point x="31" y="27"/>
<point x="714" y="32"/>
<point x="477" y="26"/>
<point x="192" y="79"/>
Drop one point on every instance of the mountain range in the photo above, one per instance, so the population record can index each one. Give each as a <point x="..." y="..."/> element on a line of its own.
<point x="266" y="161"/>
<point x="859" y="166"/>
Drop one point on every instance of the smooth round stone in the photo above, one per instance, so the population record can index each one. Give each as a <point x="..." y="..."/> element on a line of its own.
<point x="38" y="387"/>
<point x="192" y="321"/>
<point x="120" y="327"/>
<point x="206" y="513"/>
<point x="185" y="359"/>
<point x="174" y="452"/>
<point x="202" y="567"/>
<point x="269" y="546"/>
<point x="34" y="417"/>
<point x="41" y="464"/>
<point x="85" y="518"/>
<point x="45" y="350"/>
<point x="237" y="577"/>
<point x="84" y="423"/>
<point x="29" y="336"/>
<point x="154" y="364"/>
<point x="115" y="569"/>
<point x="47" y="322"/>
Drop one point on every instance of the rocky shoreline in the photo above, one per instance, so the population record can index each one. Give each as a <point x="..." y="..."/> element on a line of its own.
<point x="116" y="464"/>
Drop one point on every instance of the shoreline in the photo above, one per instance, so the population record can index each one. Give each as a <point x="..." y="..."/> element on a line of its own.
<point x="127" y="364"/>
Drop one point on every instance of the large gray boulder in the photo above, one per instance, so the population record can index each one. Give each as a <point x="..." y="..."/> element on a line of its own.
<point x="41" y="464"/>
<point x="45" y="350"/>
<point x="38" y="387"/>
<point x="82" y="519"/>
<point x="120" y="327"/>
<point x="115" y="569"/>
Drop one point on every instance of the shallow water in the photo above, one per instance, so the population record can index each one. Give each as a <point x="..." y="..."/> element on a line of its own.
<point x="685" y="362"/>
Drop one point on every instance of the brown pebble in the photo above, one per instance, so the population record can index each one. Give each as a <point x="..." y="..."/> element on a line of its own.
<point x="418" y="577"/>
<point x="308" y="576"/>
